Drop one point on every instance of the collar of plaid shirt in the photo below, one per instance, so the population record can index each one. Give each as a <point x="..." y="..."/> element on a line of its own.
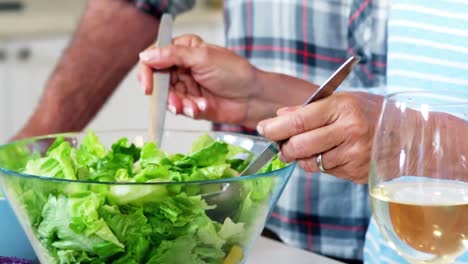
<point x="308" y="39"/>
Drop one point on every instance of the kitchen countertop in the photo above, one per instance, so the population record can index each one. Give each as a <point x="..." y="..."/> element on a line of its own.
<point x="271" y="252"/>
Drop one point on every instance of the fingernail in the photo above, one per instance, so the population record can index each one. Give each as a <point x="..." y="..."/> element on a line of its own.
<point x="172" y="109"/>
<point x="148" y="55"/>
<point x="201" y="103"/>
<point x="281" y="157"/>
<point x="260" y="130"/>
<point x="188" y="111"/>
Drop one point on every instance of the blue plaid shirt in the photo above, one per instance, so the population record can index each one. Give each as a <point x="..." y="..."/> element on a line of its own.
<point x="309" y="40"/>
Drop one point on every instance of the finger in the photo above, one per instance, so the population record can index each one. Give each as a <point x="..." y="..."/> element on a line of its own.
<point x="286" y="110"/>
<point x="201" y="104"/>
<point x="310" y="117"/>
<point x="174" y="105"/>
<point x="190" y="84"/>
<point x="308" y="164"/>
<point x="350" y="161"/>
<point x="145" y="75"/>
<point x="174" y="76"/>
<point x="174" y="55"/>
<point x="312" y="143"/>
<point x="190" y="108"/>
<point x="329" y="163"/>
<point x="335" y="157"/>
<point x="180" y="89"/>
<point x="337" y="163"/>
<point x="189" y="40"/>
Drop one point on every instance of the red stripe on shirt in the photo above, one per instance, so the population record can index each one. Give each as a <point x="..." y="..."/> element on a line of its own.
<point x="359" y="11"/>
<point x="287" y="50"/>
<point x="379" y="64"/>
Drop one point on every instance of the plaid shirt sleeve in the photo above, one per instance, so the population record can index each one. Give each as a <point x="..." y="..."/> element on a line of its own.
<point x="157" y="8"/>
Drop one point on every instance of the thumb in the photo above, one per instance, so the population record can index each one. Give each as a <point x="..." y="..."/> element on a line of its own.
<point x="169" y="56"/>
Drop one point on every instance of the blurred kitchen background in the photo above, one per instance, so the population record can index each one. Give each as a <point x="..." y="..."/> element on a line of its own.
<point x="33" y="34"/>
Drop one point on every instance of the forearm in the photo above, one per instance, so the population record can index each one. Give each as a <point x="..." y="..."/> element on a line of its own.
<point x="104" y="49"/>
<point x="275" y="91"/>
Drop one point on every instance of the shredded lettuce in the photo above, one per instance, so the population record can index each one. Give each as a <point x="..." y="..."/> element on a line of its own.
<point x="166" y="223"/>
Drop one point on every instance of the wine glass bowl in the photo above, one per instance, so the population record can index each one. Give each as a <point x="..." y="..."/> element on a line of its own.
<point x="418" y="178"/>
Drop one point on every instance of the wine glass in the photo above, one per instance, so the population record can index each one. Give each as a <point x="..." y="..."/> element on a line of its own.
<point x="418" y="178"/>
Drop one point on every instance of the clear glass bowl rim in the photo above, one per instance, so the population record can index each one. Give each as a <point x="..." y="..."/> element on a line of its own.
<point x="274" y="173"/>
<point x="393" y="96"/>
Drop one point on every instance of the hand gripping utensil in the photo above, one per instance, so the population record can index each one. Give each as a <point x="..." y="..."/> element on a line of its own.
<point x="325" y="90"/>
<point x="228" y="198"/>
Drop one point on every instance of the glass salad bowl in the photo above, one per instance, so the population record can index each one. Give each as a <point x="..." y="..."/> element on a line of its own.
<point x="16" y="247"/>
<point x="114" y="197"/>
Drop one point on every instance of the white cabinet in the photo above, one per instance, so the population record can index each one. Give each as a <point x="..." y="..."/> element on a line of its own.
<point x="23" y="73"/>
<point x="29" y="63"/>
<point x="31" y="60"/>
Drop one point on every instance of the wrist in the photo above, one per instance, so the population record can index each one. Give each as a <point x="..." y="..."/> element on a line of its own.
<point x="259" y="105"/>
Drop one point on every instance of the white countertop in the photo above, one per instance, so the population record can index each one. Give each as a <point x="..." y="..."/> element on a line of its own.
<point x="271" y="252"/>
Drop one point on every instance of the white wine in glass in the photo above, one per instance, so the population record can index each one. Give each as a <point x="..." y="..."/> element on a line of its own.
<point x="419" y="175"/>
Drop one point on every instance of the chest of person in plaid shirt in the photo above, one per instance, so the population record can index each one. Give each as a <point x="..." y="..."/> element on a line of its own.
<point x="308" y="39"/>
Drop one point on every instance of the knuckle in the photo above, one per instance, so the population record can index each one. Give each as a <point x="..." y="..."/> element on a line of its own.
<point x="195" y="40"/>
<point x="355" y="152"/>
<point x="355" y="125"/>
<point x="308" y="165"/>
<point x="297" y="123"/>
<point x="295" y="148"/>
<point x="347" y="100"/>
<point x="204" y="53"/>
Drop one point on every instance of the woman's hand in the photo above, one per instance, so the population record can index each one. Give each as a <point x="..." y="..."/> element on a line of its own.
<point x="214" y="83"/>
<point x="340" y="127"/>
<point x="207" y="81"/>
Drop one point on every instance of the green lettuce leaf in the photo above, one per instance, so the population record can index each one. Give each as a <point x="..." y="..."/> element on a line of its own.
<point x="213" y="154"/>
<point x="131" y="227"/>
<point x="185" y="249"/>
<point x="151" y="154"/>
<point x="90" y="150"/>
<point x="74" y="224"/>
<point x="137" y="222"/>
<point x="57" y="163"/>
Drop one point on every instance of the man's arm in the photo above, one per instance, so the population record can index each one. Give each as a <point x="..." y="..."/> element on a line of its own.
<point x="104" y="49"/>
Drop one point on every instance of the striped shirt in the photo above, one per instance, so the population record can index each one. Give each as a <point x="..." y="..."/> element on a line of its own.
<point x="427" y="49"/>
<point x="309" y="40"/>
